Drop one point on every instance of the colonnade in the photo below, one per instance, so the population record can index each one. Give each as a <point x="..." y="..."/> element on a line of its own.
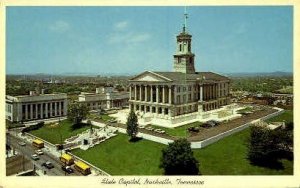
<point x="44" y="110"/>
<point x="172" y="101"/>
<point x="151" y="93"/>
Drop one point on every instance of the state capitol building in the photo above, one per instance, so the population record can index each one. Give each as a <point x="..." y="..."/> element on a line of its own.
<point x="182" y="95"/>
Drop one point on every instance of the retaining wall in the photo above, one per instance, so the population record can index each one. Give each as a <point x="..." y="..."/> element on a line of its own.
<point x="201" y="144"/>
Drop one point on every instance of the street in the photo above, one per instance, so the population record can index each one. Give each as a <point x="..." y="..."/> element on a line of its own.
<point x="28" y="150"/>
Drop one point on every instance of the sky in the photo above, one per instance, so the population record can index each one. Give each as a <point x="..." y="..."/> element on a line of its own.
<point x="130" y="40"/>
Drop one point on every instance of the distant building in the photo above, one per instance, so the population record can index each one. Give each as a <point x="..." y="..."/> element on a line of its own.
<point x="286" y="99"/>
<point x="35" y="106"/>
<point x="105" y="98"/>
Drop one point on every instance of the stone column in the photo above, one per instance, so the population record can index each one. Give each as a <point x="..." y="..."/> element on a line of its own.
<point x="151" y="94"/>
<point x="175" y="94"/>
<point x="163" y="95"/>
<point x="36" y="111"/>
<point x="140" y="92"/>
<point x="157" y="87"/>
<point x="55" y="108"/>
<point x="135" y="94"/>
<point x="214" y="91"/>
<point x="31" y="111"/>
<point x="51" y="109"/>
<point x="170" y="95"/>
<point x="41" y="111"/>
<point x="26" y="111"/>
<point x="206" y="93"/>
<point x="201" y="93"/>
<point x="46" y="110"/>
<point x="59" y="108"/>
<point x="146" y="94"/>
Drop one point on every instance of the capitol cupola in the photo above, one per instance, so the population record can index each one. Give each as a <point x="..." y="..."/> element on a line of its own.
<point x="184" y="58"/>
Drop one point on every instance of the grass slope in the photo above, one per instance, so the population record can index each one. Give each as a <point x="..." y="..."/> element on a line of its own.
<point x="287" y="115"/>
<point x="52" y="133"/>
<point x="228" y="157"/>
<point x="118" y="156"/>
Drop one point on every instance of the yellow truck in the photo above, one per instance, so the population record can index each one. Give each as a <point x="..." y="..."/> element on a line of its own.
<point x="66" y="159"/>
<point x="38" y="143"/>
<point x="82" y="167"/>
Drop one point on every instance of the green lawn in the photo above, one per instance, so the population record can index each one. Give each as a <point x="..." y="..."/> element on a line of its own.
<point x="52" y="133"/>
<point x="118" y="156"/>
<point x="180" y="132"/>
<point x="104" y="117"/>
<point x="287" y="116"/>
<point x="228" y="157"/>
<point x="247" y="109"/>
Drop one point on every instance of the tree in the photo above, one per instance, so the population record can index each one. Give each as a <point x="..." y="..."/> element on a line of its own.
<point x="77" y="112"/>
<point x="266" y="146"/>
<point x="178" y="159"/>
<point x="132" y="125"/>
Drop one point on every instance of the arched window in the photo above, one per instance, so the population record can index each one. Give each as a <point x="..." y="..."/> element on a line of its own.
<point x="180" y="47"/>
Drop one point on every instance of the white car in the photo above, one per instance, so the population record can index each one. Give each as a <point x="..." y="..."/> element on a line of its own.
<point x="39" y="152"/>
<point x="35" y="157"/>
<point x="22" y="143"/>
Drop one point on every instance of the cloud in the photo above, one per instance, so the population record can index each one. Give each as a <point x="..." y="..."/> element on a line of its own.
<point x="128" y="38"/>
<point x="121" y="25"/>
<point x="59" y="26"/>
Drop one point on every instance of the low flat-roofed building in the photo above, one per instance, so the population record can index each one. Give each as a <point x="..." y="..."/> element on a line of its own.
<point x="104" y="98"/>
<point x="35" y="106"/>
<point x="283" y="98"/>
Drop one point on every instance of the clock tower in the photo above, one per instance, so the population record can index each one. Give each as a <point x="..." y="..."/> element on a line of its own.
<point x="184" y="58"/>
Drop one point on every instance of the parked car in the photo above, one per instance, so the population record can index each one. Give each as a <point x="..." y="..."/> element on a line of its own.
<point x="193" y="129"/>
<point x="35" y="157"/>
<point x="39" y="152"/>
<point x="48" y="165"/>
<point x="67" y="169"/>
<point x="22" y="143"/>
<point x="210" y="123"/>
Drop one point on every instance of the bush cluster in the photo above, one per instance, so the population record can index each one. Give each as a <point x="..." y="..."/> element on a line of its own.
<point x="33" y="127"/>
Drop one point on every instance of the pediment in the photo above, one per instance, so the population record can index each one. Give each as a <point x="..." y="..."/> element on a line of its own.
<point x="150" y="77"/>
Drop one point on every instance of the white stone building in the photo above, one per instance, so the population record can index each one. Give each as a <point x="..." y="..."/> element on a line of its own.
<point x="104" y="98"/>
<point x="35" y="106"/>
<point x="181" y="95"/>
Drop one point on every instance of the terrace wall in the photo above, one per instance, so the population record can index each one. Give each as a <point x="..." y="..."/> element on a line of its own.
<point x="201" y="144"/>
